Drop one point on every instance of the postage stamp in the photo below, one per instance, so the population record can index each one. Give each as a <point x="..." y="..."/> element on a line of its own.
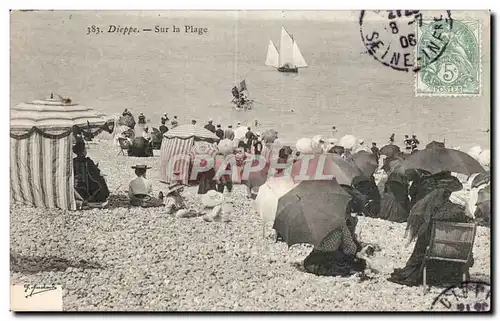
<point x="457" y="72"/>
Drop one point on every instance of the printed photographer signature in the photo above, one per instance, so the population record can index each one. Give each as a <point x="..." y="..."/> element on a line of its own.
<point x="37" y="289"/>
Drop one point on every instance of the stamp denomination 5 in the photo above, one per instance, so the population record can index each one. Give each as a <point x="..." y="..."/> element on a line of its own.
<point x="449" y="60"/>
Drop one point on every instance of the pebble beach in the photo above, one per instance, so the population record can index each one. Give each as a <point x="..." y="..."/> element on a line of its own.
<point x="135" y="259"/>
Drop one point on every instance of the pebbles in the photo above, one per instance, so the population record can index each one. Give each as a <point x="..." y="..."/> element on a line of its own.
<point x="135" y="259"/>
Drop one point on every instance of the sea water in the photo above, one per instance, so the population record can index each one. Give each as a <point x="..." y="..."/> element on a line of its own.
<point x="190" y="74"/>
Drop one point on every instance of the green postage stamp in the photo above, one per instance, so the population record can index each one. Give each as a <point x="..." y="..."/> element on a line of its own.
<point x="456" y="69"/>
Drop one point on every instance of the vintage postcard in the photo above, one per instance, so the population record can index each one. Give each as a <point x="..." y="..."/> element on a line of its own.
<point x="250" y="160"/>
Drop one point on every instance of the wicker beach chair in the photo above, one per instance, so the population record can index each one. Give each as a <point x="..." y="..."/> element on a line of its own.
<point x="450" y="241"/>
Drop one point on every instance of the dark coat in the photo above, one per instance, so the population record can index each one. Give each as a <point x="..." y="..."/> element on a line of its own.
<point x="210" y="127"/>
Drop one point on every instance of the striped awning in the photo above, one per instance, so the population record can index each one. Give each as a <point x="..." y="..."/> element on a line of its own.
<point x="191" y="131"/>
<point x="175" y="160"/>
<point x="55" y="114"/>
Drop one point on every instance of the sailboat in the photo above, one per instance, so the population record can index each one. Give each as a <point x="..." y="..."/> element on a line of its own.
<point x="289" y="58"/>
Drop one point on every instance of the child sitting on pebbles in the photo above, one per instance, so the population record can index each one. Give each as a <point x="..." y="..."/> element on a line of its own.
<point x="212" y="204"/>
<point x="174" y="202"/>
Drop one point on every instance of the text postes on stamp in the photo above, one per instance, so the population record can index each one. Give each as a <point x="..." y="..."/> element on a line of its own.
<point x="457" y="71"/>
<point x="390" y="36"/>
<point x="467" y="296"/>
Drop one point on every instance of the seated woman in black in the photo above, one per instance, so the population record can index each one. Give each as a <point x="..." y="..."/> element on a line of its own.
<point x="89" y="182"/>
<point x="336" y="255"/>
<point x="434" y="206"/>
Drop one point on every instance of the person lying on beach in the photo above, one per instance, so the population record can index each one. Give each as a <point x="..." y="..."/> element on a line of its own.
<point x="141" y="188"/>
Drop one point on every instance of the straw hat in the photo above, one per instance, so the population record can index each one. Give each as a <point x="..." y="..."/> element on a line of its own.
<point x="212" y="198"/>
<point x="141" y="167"/>
<point x="174" y="187"/>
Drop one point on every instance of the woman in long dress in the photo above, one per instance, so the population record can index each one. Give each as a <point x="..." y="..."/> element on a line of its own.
<point x="434" y="206"/>
<point x="89" y="183"/>
<point x="336" y="255"/>
<point x="395" y="203"/>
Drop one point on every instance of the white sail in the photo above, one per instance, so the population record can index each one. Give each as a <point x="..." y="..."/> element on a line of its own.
<point x="286" y="49"/>
<point x="298" y="59"/>
<point x="272" y="58"/>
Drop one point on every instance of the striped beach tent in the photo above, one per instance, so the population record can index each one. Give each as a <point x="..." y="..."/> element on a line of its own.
<point x="41" y="160"/>
<point x="175" y="151"/>
<point x="175" y="159"/>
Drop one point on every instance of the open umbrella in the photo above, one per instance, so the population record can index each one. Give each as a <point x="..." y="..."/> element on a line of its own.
<point x="305" y="145"/>
<point x="348" y="141"/>
<point x="437" y="159"/>
<point x="435" y="144"/>
<point x="393" y="164"/>
<point x="311" y="210"/>
<point x="57" y="114"/>
<point x="318" y="143"/>
<point x="266" y="202"/>
<point x="390" y="150"/>
<point x="269" y="136"/>
<point x="191" y="131"/>
<point x="226" y="146"/>
<point x="240" y="132"/>
<point x="322" y="165"/>
<point x="366" y="161"/>
<point x="127" y="120"/>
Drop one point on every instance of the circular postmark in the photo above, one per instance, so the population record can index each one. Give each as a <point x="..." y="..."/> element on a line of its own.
<point x="392" y="37"/>
<point x="467" y="296"/>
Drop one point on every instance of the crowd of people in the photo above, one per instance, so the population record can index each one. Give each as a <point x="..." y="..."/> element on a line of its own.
<point x="410" y="144"/>
<point x="413" y="196"/>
